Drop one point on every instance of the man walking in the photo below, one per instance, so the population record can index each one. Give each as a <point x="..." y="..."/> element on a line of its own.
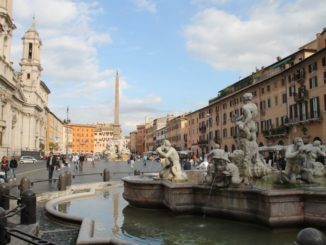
<point x="50" y="164"/>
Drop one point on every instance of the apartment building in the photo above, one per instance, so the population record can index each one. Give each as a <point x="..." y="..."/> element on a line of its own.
<point x="140" y="139"/>
<point x="133" y="141"/>
<point x="54" y="134"/>
<point x="176" y="131"/>
<point x="82" y="137"/>
<point x="290" y="95"/>
<point x="149" y="135"/>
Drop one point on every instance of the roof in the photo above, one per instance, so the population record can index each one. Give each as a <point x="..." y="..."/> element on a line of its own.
<point x="45" y="87"/>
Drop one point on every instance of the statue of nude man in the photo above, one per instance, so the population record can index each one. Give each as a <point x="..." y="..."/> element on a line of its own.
<point x="247" y="121"/>
<point x="173" y="170"/>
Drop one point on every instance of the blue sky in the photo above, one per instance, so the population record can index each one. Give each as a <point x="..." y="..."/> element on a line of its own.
<point x="172" y="56"/>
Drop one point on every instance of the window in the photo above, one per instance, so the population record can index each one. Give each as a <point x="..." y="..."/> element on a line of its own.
<point x="324" y="76"/>
<point x="314" y="107"/>
<point x="269" y="104"/>
<point x="293" y="112"/>
<point x="292" y="90"/>
<point x="28" y="75"/>
<point x="312" y="67"/>
<point x="313" y="82"/>
<point x="224" y="118"/>
<point x="303" y="111"/>
<point x="225" y="133"/>
<point x="284" y="98"/>
<point x="277" y="122"/>
<point x="30" y="50"/>
<point x="324" y="102"/>
<point x="276" y="100"/>
<point x="268" y="88"/>
<point x="323" y="61"/>
<point x="262" y="90"/>
<point x="283" y="82"/>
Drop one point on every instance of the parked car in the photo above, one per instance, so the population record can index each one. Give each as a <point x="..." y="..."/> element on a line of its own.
<point x="27" y="159"/>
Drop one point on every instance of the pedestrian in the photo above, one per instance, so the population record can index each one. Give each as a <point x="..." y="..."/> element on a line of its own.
<point x="5" y="166"/>
<point x="132" y="161"/>
<point x="13" y="165"/>
<point x="75" y="161"/>
<point x="144" y="159"/>
<point x="51" y="163"/>
<point x="81" y="162"/>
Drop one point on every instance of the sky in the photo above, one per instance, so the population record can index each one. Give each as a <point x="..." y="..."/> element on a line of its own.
<point x="172" y="55"/>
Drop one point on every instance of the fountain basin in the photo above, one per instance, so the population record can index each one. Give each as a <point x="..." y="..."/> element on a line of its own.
<point x="271" y="207"/>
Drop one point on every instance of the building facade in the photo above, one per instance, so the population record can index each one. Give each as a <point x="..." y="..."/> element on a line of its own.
<point x="103" y="134"/>
<point x="133" y="141"/>
<point x="290" y="95"/>
<point x="23" y="95"/>
<point x="140" y="144"/>
<point x="82" y="137"/>
<point x="54" y="135"/>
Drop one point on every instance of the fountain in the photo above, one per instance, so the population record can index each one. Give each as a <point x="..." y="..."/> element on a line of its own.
<point x="229" y="188"/>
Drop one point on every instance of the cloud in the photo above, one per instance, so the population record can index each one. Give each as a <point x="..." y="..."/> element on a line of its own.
<point x="230" y="42"/>
<point x="147" y="5"/>
<point x="208" y="2"/>
<point x="69" y="51"/>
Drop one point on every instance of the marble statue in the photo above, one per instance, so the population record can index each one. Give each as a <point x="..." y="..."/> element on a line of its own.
<point x="313" y="152"/>
<point x="296" y="166"/>
<point x="221" y="172"/>
<point x="171" y="169"/>
<point x="252" y="165"/>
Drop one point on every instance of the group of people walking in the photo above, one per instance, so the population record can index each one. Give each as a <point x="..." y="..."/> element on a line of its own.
<point x="9" y="166"/>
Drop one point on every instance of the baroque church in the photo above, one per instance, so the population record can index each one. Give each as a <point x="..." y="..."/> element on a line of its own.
<point x="23" y="95"/>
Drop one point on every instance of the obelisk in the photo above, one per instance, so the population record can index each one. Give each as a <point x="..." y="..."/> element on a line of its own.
<point x="116" y="125"/>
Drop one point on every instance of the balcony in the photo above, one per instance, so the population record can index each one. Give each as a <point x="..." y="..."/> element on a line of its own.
<point x="307" y="119"/>
<point x="301" y="96"/>
<point x="276" y="132"/>
<point x="202" y="142"/>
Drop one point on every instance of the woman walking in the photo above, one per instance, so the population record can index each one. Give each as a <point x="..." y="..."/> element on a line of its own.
<point x="5" y="166"/>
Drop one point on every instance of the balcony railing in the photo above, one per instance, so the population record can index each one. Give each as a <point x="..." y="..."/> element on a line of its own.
<point x="202" y="142"/>
<point x="301" y="96"/>
<point x="307" y="119"/>
<point x="276" y="132"/>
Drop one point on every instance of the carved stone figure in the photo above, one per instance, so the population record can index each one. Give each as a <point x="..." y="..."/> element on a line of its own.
<point x="171" y="170"/>
<point x="313" y="152"/>
<point x="295" y="167"/>
<point x="252" y="165"/>
<point x="221" y="172"/>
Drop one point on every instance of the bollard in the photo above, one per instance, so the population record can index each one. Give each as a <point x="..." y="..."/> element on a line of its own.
<point x="25" y="184"/>
<point x="28" y="213"/>
<point x="4" y="196"/>
<point x="106" y="175"/>
<point x="4" y="236"/>
<point x="62" y="183"/>
<point x="68" y="178"/>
